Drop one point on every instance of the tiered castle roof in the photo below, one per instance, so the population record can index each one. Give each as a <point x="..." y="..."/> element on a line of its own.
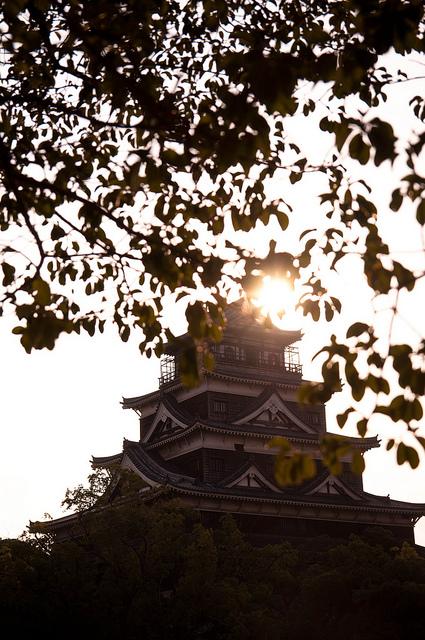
<point x="209" y="446"/>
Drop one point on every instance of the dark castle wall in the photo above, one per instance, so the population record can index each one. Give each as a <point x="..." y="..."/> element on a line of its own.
<point x="227" y="407"/>
<point x="262" y="530"/>
<point x="214" y="465"/>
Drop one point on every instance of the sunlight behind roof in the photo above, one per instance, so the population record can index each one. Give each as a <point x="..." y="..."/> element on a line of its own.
<point x="278" y="299"/>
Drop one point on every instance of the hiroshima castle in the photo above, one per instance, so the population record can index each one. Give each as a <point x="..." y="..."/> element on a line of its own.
<point x="209" y="446"/>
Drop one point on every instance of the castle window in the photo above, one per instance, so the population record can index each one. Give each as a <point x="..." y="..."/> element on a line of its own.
<point x="219" y="407"/>
<point x="239" y="447"/>
<point x="229" y="352"/>
<point x="270" y="359"/>
<point x="273" y="360"/>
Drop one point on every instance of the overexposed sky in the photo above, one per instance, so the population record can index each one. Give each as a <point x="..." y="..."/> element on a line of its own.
<point x="57" y="409"/>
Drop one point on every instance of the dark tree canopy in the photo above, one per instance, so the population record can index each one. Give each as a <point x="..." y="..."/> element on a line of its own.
<point x="155" y="572"/>
<point x="135" y="136"/>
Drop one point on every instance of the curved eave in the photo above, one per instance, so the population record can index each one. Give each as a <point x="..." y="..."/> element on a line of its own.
<point x="103" y="462"/>
<point x="50" y="526"/>
<point x="393" y="507"/>
<point x="262" y="333"/>
<point x="139" y="401"/>
<point x="149" y="468"/>
<point x="181" y="483"/>
<point x="244" y="379"/>
<point x="400" y="508"/>
<point x="417" y="508"/>
<point x="233" y="431"/>
<point x="73" y="519"/>
<point x="362" y="444"/>
<point x="291" y="383"/>
<point x="173" y="385"/>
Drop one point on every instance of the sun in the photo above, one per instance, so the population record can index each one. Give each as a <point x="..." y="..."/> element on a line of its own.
<point x="277" y="299"/>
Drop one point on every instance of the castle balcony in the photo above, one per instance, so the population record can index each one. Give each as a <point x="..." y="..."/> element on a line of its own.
<point x="236" y="360"/>
<point x="169" y="370"/>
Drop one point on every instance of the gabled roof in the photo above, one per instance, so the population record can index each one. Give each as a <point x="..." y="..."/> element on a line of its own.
<point x="257" y="431"/>
<point x="313" y="497"/>
<point x="138" y="401"/>
<point x="327" y="484"/>
<point x="170" y="416"/>
<point x="270" y="408"/>
<point x="149" y="468"/>
<point x="249" y="475"/>
<point x="309" y="494"/>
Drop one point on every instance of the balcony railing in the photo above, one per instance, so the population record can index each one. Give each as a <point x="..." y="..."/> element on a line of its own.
<point x="286" y="360"/>
<point x="169" y="370"/>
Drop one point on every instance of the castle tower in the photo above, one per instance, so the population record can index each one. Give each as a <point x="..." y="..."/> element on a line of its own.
<point x="209" y="446"/>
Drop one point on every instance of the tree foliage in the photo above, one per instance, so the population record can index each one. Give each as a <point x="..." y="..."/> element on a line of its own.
<point x="156" y="572"/>
<point x="84" y="497"/>
<point x="136" y="136"/>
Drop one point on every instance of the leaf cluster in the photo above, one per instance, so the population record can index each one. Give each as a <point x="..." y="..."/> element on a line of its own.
<point x="134" y="135"/>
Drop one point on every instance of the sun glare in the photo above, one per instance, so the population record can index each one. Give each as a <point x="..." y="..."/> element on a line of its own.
<point x="277" y="299"/>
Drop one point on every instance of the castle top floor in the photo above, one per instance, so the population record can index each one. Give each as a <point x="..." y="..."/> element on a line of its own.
<point x="248" y="349"/>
